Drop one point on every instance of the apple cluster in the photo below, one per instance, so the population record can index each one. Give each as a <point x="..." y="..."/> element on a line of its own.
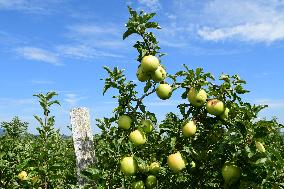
<point x="150" y="68"/>
<point x="198" y="98"/>
<point x="129" y="166"/>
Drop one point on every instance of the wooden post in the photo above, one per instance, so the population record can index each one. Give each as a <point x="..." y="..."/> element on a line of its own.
<point x="83" y="141"/>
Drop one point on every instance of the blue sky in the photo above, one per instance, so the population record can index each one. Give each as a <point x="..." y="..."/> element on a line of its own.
<point x="62" y="45"/>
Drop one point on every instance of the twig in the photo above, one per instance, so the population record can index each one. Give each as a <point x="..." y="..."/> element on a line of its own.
<point x="139" y="101"/>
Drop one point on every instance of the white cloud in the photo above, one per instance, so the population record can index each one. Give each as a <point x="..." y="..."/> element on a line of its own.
<point x="262" y="74"/>
<point x="102" y="36"/>
<point x="154" y="5"/>
<point x="277" y="103"/>
<point x="263" y="32"/>
<point x="42" y="82"/>
<point x="83" y="52"/>
<point x="38" y="54"/>
<point x="95" y="29"/>
<point x="18" y="5"/>
<point x="244" y="20"/>
<point x="8" y="102"/>
<point x="72" y="99"/>
<point x="29" y="6"/>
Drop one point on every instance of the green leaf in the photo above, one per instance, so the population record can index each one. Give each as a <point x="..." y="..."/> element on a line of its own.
<point x="147" y="86"/>
<point x="50" y="95"/>
<point x="128" y="33"/>
<point x="173" y="142"/>
<point x="152" y="25"/>
<point x="261" y="161"/>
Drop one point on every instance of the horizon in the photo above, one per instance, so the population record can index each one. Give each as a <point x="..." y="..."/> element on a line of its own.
<point x="62" y="47"/>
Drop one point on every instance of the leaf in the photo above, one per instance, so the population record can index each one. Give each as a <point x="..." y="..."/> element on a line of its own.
<point x="132" y="13"/>
<point x="50" y="95"/>
<point x="261" y="161"/>
<point x="173" y="142"/>
<point x="128" y="33"/>
<point x="142" y="107"/>
<point x="240" y="90"/>
<point x="198" y="71"/>
<point x="147" y="86"/>
<point x="54" y="102"/>
<point x="106" y="87"/>
<point x="224" y="77"/>
<point x="152" y="25"/>
<point x="184" y="94"/>
<point x="39" y="120"/>
<point x="152" y="117"/>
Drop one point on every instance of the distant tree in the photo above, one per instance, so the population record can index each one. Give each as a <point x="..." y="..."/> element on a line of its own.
<point x="15" y="128"/>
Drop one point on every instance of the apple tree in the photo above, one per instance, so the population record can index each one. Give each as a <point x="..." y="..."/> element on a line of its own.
<point x="213" y="140"/>
<point x="46" y="160"/>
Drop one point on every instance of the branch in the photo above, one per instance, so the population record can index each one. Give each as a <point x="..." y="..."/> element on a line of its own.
<point x="139" y="101"/>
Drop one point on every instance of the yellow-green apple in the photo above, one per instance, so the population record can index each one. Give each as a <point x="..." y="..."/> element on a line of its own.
<point x="147" y="126"/>
<point x="128" y="165"/>
<point x="154" y="167"/>
<point x="197" y="98"/>
<point x="150" y="63"/>
<point x="124" y="122"/>
<point x="225" y="114"/>
<point x="192" y="164"/>
<point x="142" y="75"/>
<point x="138" y="185"/>
<point x="259" y="146"/>
<point x="164" y="91"/>
<point x="151" y="181"/>
<point x="137" y="137"/>
<point x="143" y="168"/>
<point x="159" y="75"/>
<point x="23" y="175"/>
<point x="215" y="107"/>
<point x="231" y="173"/>
<point x="189" y="129"/>
<point x="175" y="162"/>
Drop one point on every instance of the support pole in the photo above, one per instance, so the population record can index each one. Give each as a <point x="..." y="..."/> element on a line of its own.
<point x="83" y="141"/>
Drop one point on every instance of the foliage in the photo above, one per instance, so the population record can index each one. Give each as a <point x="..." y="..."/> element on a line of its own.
<point x="48" y="158"/>
<point x="217" y="141"/>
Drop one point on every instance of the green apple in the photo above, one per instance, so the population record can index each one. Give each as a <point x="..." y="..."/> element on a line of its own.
<point x="215" y="107"/>
<point x="189" y="129"/>
<point x="151" y="181"/>
<point x="231" y="173"/>
<point x="147" y="126"/>
<point x="143" y="168"/>
<point x="197" y="98"/>
<point x="192" y="164"/>
<point x="23" y="175"/>
<point x="154" y="168"/>
<point x="128" y="166"/>
<point x="124" y="122"/>
<point x="164" y="91"/>
<point x="142" y="75"/>
<point x="35" y="179"/>
<point x="259" y="146"/>
<point x="138" y="185"/>
<point x="137" y="137"/>
<point x="150" y="63"/>
<point x="225" y="114"/>
<point x="175" y="162"/>
<point x="159" y="75"/>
